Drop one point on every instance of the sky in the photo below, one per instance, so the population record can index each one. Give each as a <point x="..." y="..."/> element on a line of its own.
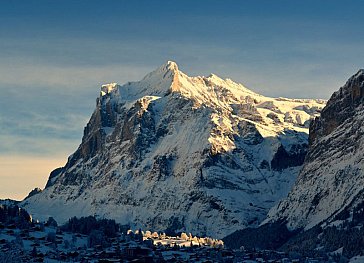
<point x="55" y="55"/>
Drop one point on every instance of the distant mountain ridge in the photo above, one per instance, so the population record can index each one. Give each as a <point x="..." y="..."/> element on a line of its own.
<point x="178" y="153"/>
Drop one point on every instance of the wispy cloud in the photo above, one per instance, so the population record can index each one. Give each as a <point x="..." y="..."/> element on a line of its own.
<point x="40" y="147"/>
<point x="69" y="80"/>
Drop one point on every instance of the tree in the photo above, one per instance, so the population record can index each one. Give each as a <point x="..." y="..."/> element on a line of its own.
<point x="66" y="244"/>
<point x="34" y="252"/>
<point x="74" y="240"/>
<point x="51" y="222"/>
<point x="19" y="241"/>
<point x="95" y="238"/>
<point x="184" y="236"/>
<point x="51" y="237"/>
<point x="155" y="235"/>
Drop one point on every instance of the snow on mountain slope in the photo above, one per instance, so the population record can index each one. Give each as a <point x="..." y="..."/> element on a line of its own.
<point x="332" y="177"/>
<point x="179" y="153"/>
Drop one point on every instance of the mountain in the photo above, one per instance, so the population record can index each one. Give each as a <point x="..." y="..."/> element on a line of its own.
<point x="332" y="176"/>
<point x="177" y="153"/>
<point x="323" y="215"/>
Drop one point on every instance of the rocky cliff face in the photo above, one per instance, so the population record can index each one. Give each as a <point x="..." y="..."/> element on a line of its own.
<point x="332" y="176"/>
<point x="179" y="153"/>
<point x="342" y="106"/>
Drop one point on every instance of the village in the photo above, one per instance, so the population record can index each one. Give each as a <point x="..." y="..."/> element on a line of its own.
<point x="90" y="239"/>
<point x="45" y="243"/>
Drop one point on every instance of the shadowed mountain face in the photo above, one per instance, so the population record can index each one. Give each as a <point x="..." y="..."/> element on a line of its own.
<point x="179" y="153"/>
<point x="332" y="177"/>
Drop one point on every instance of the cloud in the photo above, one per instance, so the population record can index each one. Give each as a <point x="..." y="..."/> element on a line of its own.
<point x="289" y="60"/>
<point x="40" y="122"/>
<point x="41" y="147"/>
<point x="69" y="80"/>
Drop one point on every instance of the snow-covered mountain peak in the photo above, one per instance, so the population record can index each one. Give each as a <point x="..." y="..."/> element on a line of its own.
<point x="159" y="82"/>
<point x="200" y="154"/>
<point x="356" y="79"/>
<point x="213" y="76"/>
<point x="168" y="68"/>
<point x="210" y="91"/>
<point x="360" y="72"/>
<point x="108" y="88"/>
<point x="171" y="65"/>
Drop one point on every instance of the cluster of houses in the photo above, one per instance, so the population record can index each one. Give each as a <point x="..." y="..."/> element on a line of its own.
<point x="47" y="243"/>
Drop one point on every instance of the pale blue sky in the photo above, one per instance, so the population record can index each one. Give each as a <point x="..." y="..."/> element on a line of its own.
<point x="56" y="54"/>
